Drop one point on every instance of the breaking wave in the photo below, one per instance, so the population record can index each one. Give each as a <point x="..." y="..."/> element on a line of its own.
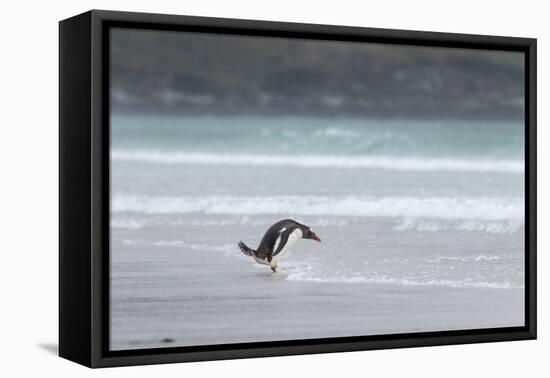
<point x="323" y="161"/>
<point x="510" y="209"/>
<point x="502" y="226"/>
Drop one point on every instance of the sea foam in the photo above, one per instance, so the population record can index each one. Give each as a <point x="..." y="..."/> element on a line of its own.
<point x="323" y="161"/>
<point x="509" y="209"/>
<point x="501" y="226"/>
<point x="304" y="277"/>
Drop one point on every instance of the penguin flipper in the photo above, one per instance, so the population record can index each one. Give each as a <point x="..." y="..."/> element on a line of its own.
<point x="284" y="239"/>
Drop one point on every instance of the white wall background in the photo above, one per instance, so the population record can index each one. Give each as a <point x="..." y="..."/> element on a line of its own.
<point x="29" y="188"/>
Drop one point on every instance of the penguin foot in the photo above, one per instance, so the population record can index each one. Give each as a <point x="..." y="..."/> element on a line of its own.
<point x="274" y="269"/>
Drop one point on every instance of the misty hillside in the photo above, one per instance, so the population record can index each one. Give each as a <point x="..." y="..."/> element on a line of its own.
<point x="206" y="73"/>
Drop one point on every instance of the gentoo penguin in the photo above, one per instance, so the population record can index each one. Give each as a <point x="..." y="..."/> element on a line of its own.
<point x="277" y="240"/>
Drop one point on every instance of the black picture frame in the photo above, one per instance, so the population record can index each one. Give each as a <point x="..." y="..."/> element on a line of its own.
<point x="84" y="188"/>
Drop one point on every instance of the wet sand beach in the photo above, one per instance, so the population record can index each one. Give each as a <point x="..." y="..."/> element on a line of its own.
<point x="175" y="293"/>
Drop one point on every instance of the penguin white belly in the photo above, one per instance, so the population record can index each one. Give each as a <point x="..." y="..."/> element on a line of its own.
<point x="260" y="261"/>
<point x="292" y="238"/>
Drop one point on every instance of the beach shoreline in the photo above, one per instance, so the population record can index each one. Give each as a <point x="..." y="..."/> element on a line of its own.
<point x="174" y="297"/>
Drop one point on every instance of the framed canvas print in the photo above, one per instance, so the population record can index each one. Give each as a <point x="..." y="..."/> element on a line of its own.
<point x="234" y="188"/>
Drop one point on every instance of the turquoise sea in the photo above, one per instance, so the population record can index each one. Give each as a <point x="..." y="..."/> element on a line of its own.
<point x="422" y="207"/>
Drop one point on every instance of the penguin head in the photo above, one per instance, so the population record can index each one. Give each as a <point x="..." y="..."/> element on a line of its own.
<point x="307" y="233"/>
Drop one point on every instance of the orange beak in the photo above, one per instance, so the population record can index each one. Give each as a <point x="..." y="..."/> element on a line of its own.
<point x="317" y="238"/>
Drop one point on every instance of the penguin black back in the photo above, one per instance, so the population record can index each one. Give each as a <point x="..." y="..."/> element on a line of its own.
<point x="267" y="244"/>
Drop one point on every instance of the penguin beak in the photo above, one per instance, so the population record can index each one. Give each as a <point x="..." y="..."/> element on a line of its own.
<point x="316" y="238"/>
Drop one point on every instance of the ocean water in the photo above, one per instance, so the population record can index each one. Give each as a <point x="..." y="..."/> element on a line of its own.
<point x="405" y="204"/>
